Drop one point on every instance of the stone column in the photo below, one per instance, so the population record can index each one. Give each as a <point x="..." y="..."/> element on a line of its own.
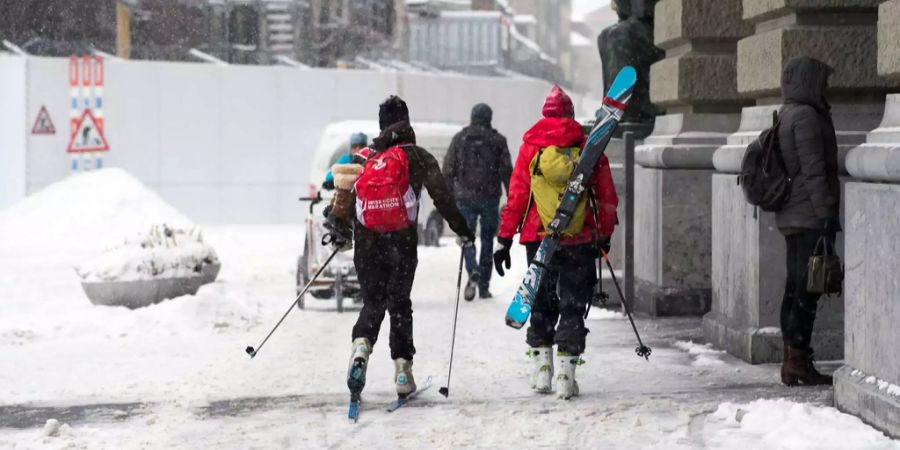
<point x="868" y="384"/>
<point x="697" y="85"/>
<point x="748" y="252"/>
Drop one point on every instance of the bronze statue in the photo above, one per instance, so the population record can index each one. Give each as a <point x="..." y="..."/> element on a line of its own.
<point x="630" y="42"/>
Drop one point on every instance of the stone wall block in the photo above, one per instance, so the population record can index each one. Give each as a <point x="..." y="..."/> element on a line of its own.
<point x="679" y="21"/>
<point x="889" y="40"/>
<point x="694" y="78"/>
<point x="851" y="50"/>
<point x="758" y="10"/>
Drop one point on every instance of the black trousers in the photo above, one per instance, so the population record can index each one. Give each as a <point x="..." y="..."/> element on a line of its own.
<point x="798" y="307"/>
<point x="557" y="315"/>
<point x="386" y="266"/>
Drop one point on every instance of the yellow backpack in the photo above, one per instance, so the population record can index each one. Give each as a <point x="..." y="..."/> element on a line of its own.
<point x="550" y="171"/>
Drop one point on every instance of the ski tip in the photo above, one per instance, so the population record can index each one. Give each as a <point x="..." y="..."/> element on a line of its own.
<point x="512" y="323"/>
<point x="624" y="81"/>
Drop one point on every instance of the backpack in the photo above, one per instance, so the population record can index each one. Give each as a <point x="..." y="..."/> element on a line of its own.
<point x="551" y="170"/>
<point x="477" y="160"/>
<point x="764" y="177"/>
<point x="385" y="201"/>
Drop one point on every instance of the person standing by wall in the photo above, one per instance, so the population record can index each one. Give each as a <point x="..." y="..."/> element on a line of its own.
<point x="809" y="148"/>
<point x="476" y="165"/>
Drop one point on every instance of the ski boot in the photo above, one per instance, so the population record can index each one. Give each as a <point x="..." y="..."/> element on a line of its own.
<point x="541" y="369"/>
<point x="403" y="377"/>
<point x="471" y="286"/>
<point x="566" y="386"/>
<point x="359" y="360"/>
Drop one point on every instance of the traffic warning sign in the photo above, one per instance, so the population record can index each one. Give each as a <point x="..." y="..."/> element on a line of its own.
<point x="88" y="137"/>
<point x="43" y="124"/>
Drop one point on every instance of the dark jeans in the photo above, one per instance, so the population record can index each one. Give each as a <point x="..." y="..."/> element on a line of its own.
<point x="489" y="212"/>
<point x="386" y="267"/>
<point x="565" y="291"/>
<point x="798" y="307"/>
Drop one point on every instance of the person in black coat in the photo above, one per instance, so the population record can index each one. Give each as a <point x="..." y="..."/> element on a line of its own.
<point x="809" y="148"/>
<point x="477" y="166"/>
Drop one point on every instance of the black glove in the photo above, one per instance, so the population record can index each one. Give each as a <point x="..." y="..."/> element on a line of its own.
<point x="327" y="211"/>
<point x="328" y="185"/>
<point x="339" y="234"/>
<point x="501" y="255"/>
<point x="831" y="225"/>
<point x="604" y="243"/>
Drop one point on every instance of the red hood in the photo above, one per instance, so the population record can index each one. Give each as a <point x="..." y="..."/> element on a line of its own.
<point x="562" y="132"/>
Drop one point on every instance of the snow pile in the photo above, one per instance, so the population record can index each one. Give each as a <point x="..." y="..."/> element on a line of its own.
<point x="162" y="253"/>
<point x="704" y="354"/>
<point x="86" y="211"/>
<point x="782" y="424"/>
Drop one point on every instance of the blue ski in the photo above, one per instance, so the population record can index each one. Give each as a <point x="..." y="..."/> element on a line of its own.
<point x="353" y="410"/>
<point x="607" y="119"/>
<point x="396" y="404"/>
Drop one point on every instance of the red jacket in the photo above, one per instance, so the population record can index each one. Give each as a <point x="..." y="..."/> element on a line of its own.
<point x="562" y="132"/>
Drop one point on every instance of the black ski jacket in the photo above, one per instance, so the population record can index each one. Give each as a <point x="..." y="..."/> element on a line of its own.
<point x="809" y="146"/>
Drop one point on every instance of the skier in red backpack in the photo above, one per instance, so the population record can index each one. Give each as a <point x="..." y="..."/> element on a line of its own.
<point x="547" y="157"/>
<point x="387" y="190"/>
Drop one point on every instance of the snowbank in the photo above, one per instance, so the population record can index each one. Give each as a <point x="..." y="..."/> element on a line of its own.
<point x="86" y="211"/>
<point x="782" y="424"/>
<point x="703" y="354"/>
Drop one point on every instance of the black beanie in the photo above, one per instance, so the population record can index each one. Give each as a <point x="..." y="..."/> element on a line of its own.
<point x="391" y="111"/>
<point x="482" y="115"/>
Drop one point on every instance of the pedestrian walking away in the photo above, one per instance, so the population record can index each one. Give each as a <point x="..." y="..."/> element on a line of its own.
<point x="477" y="167"/>
<point x="384" y="206"/>
<point x="809" y="148"/>
<point x="546" y="160"/>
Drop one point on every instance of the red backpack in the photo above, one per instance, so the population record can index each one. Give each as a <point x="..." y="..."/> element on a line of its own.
<point x="385" y="202"/>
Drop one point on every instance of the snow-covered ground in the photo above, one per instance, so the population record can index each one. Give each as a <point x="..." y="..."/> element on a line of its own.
<point x="175" y="375"/>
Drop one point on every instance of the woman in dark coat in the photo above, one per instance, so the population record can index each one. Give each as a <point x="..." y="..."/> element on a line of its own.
<point x="809" y="148"/>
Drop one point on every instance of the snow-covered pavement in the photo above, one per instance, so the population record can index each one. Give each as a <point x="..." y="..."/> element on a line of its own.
<point x="175" y="375"/>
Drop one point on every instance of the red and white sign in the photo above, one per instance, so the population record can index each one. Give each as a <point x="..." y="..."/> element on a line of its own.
<point x="43" y="124"/>
<point x="88" y="136"/>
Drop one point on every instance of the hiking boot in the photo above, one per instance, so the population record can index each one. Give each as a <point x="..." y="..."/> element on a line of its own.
<point x="798" y="368"/>
<point x="541" y="369"/>
<point x="566" y="386"/>
<point x="471" y="286"/>
<point x="403" y="377"/>
<point x="484" y="293"/>
<point x="359" y="360"/>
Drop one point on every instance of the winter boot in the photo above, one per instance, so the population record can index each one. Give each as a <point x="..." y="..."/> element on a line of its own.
<point x="798" y="368"/>
<point x="541" y="369"/>
<point x="484" y="293"/>
<point x="403" y="377"/>
<point x="566" y="386"/>
<point x="359" y="360"/>
<point x="471" y="286"/>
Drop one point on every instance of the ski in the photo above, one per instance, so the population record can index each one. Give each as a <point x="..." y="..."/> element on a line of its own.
<point x="353" y="410"/>
<point x="397" y="404"/>
<point x="608" y="117"/>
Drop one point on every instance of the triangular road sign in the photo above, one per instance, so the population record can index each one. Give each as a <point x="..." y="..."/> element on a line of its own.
<point x="88" y="136"/>
<point x="43" y="124"/>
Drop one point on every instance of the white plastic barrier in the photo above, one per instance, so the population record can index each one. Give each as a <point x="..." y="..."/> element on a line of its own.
<point x="226" y="144"/>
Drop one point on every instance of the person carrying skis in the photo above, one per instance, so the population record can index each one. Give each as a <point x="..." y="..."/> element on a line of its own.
<point x="546" y="160"/>
<point x="476" y="165"/>
<point x="383" y="209"/>
<point x="358" y="141"/>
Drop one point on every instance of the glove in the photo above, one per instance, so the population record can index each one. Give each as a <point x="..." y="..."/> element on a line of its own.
<point x="328" y="185"/>
<point x="466" y="241"/>
<point x="605" y="243"/>
<point x="327" y="211"/>
<point x="501" y="255"/>
<point x="831" y="225"/>
<point x="339" y="234"/>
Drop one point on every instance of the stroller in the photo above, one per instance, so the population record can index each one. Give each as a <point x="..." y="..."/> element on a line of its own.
<point x="338" y="281"/>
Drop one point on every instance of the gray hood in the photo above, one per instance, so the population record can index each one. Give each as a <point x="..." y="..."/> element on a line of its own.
<point x="804" y="81"/>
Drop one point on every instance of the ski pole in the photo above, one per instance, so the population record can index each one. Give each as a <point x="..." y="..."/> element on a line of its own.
<point x="642" y="350"/>
<point x="445" y="391"/>
<point x="250" y="350"/>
